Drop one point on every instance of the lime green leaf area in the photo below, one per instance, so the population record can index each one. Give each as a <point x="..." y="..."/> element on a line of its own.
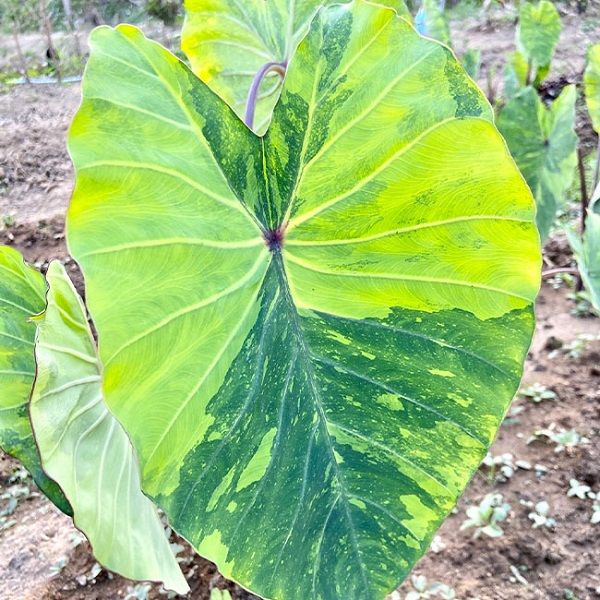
<point x="22" y="291"/>
<point x="538" y="32"/>
<point x="544" y="144"/>
<point x="311" y="337"/>
<point x="592" y="85"/>
<point x="228" y="41"/>
<point x="87" y="452"/>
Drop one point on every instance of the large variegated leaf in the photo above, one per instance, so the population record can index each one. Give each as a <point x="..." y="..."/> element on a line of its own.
<point x="592" y="85"/>
<point x="229" y="41"/>
<point x="538" y="31"/>
<point x="22" y="291"/>
<point x="544" y="144"/>
<point x="311" y="337"/>
<point x="86" y="451"/>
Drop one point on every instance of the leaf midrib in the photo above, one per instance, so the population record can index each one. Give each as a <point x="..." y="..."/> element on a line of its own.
<point x="304" y="356"/>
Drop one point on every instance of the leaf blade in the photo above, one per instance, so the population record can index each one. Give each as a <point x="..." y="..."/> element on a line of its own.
<point x="22" y="291"/>
<point x="591" y="80"/>
<point x="544" y="143"/>
<point x="86" y="450"/>
<point x="309" y="459"/>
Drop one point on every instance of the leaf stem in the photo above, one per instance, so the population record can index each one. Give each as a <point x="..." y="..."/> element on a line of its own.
<point x="596" y="177"/>
<point x="559" y="270"/>
<point x="584" y="203"/>
<point x="270" y="67"/>
<point x="583" y="187"/>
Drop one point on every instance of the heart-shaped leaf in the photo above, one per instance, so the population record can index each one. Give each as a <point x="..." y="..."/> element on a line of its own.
<point x="538" y="31"/>
<point x="229" y="41"/>
<point x="86" y="451"/>
<point x="310" y="337"/>
<point x="544" y="144"/>
<point x="592" y="85"/>
<point x="22" y="291"/>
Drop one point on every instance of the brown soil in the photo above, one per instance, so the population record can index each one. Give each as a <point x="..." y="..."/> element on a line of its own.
<point x="35" y="170"/>
<point x="35" y="182"/>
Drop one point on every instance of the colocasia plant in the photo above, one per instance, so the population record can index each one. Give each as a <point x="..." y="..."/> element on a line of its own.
<point x="310" y="325"/>
<point x="587" y="246"/>
<point x="543" y="141"/>
<point x="537" y="35"/>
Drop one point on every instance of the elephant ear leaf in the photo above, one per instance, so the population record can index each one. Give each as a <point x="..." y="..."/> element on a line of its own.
<point x="87" y="452"/>
<point x="538" y="32"/>
<point x="544" y="144"/>
<point x="592" y="85"/>
<point x="229" y="41"/>
<point x="587" y="250"/>
<point x="22" y="291"/>
<point x="311" y="337"/>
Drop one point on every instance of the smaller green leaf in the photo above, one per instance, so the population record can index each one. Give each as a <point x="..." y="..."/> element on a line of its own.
<point x="587" y="250"/>
<point x="544" y="144"/>
<point x="591" y="81"/>
<point x="515" y="74"/>
<point x="21" y="298"/>
<point x="85" y="449"/>
<point x="538" y="31"/>
<point x="472" y="62"/>
<point x="431" y="22"/>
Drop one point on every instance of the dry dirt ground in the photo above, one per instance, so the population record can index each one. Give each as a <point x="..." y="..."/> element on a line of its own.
<point x="42" y="556"/>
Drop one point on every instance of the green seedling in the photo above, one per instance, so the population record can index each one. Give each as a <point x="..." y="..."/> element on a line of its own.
<point x="8" y="221"/>
<point x="564" y="439"/>
<point x="485" y="517"/>
<point x="540" y="516"/>
<point x="503" y="466"/>
<point x="562" y="280"/>
<point x="423" y="589"/>
<point x="580" y="490"/>
<point x="596" y="513"/>
<point x="577" y="347"/>
<point x="538" y="393"/>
